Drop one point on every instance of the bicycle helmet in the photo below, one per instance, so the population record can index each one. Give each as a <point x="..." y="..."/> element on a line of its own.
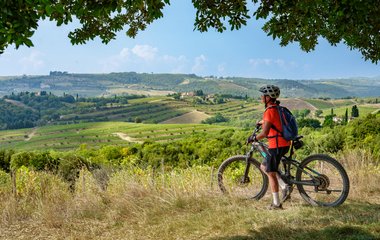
<point x="270" y="90"/>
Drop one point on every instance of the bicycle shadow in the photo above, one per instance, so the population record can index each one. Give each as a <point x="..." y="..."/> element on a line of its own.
<point x="349" y="221"/>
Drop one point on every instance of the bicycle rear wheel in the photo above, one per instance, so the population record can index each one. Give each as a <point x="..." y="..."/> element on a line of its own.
<point x="331" y="183"/>
<point x="231" y="178"/>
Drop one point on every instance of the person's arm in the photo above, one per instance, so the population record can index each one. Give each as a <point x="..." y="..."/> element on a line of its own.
<point x="265" y="130"/>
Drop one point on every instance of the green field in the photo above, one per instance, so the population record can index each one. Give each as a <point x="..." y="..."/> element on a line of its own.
<point x="66" y="137"/>
<point x="363" y="110"/>
<point x="147" y="110"/>
<point x="233" y="109"/>
<point x="319" y="103"/>
<point x="333" y="103"/>
<point x="113" y="124"/>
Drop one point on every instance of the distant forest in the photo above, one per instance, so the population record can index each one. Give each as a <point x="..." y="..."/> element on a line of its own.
<point x="29" y="109"/>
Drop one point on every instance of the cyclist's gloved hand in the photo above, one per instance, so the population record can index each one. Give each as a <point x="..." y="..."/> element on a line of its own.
<point x="251" y="138"/>
<point x="259" y="123"/>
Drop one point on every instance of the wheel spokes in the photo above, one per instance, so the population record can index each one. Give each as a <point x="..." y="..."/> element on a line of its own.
<point x="235" y="183"/>
<point x="328" y="181"/>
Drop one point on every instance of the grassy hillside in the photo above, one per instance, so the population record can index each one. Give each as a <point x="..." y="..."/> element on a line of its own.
<point x="107" y="125"/>
<point x="148" y="110"/>
<point x="66" y="137"/>
<point x="363" y="110"/>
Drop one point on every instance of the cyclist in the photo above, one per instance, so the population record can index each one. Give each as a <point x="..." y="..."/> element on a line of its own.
<point x="278" y="146"/>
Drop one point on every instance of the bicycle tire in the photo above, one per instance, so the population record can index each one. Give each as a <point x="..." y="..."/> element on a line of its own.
<point x="332" y="178"/>
<point x="230" y="173"/>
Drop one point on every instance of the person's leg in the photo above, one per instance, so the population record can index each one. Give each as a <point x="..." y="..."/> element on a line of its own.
<point x="275" y="180"/>
<point x="270" y="167"/>
<point x="284" y="187"/>
<point x="272" y="176"/>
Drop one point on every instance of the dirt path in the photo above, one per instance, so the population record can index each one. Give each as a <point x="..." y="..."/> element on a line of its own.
<point x="31" y="134"/>
<point x="127" y="138"/>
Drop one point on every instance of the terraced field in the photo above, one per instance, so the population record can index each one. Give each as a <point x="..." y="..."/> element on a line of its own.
<point x="66" y="137"/>
<point x="250" y="110"/>
<point x="116" y="131"/>
<point x="148" y="110"/>
<point x="298" y="104"/>
<point x="233" y="109"/>
<point x="320" y="103"/>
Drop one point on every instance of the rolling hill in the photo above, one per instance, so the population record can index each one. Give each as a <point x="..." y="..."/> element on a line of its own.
<point x="177" y="119"/>
<point x="162" y="84"/>
<point x="66" y="137"/>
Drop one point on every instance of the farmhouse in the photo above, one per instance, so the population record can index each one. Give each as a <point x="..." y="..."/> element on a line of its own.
<point x="188" y="94"/>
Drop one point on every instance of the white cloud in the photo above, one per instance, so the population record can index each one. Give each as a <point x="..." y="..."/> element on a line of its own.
<point x="222" y="68"/>
<point x="32" y="62"/>
<point x="145" y="52"/>
<point x="176" y="64"/>
<point x="147" y="58"/>
<point x="124" y="53"/>
<point x="171" y="59"/>
<point x="260" y="61"/>
<point x="268" y="62"/>
<point x="5" y="58"/>
<point x="199" y="64"/>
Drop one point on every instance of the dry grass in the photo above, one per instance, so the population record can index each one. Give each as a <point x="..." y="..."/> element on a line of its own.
<point x="364" y="175"/>
<point x="183" y="204"/>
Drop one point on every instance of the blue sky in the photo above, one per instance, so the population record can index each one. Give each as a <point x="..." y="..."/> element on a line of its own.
<point x="170" y="45"/>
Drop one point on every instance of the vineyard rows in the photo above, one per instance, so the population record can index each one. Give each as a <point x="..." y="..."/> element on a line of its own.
<point x="66" y="137"/>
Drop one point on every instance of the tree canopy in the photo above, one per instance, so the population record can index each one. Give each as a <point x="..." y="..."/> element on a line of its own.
<point x="353" y="22"/>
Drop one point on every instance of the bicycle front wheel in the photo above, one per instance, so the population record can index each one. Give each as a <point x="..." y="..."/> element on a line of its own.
<point x="327" y="183"/>
<point x="232" y="179"/>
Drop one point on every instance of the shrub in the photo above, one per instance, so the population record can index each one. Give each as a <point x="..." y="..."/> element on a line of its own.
<point x="5" y="159"/>
<point x="308" y="122"/>
<point x="5" y="180"/>
<point x="69" y="167"/>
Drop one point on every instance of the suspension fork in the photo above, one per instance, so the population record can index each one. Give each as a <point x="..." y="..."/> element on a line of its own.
<point x="247" y="165"/>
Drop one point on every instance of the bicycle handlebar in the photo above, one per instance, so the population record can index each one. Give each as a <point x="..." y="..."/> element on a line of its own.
<point x="251" y="138"/>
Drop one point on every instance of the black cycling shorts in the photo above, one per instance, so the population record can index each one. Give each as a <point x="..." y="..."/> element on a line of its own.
<point x="273" y="159"/>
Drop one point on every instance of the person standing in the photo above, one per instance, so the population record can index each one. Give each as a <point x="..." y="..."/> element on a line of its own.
<point x="277" y="145"/>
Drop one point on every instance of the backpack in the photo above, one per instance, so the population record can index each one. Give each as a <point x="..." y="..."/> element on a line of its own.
<point x="288" y="123"/>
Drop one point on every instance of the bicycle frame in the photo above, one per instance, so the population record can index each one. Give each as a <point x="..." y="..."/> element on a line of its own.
<point x="287" y="162"/>
<point x="241" y="175"/>
<point x="288" y="178"/>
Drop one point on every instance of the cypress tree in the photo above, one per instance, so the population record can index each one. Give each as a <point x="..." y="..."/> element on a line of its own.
<point x="346" y="116"/>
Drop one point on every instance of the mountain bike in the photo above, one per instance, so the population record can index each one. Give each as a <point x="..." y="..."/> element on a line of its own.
<point x="320" y="179"/>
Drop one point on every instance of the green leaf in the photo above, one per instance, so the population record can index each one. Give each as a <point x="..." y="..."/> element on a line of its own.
<point x="60" y="8"/>
<point x="48" y="10"/>
<point x="28" y="42"/>
<point x="59" y="21"/>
